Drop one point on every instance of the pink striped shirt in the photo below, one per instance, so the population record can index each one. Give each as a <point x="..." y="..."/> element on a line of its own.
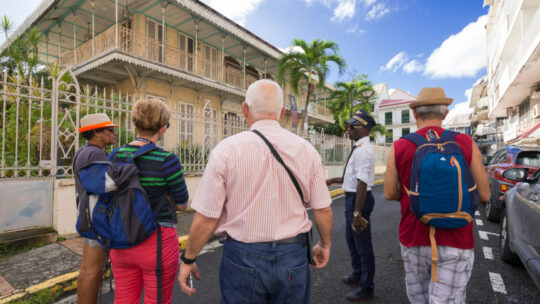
<point x="250" y="191"/>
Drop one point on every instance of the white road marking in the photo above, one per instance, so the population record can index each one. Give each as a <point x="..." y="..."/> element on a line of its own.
<point x="488" y="253"/>
<point x="479" y="222"/>
<point x="210" y="247"/>
<point x="477" y="213"/>
<point x="484" y="234"/>
<point x="497" y="282"/>
<point x="339" y="196"/>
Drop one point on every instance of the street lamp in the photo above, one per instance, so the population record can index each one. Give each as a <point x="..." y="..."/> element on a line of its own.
<point x="367" y="94"/>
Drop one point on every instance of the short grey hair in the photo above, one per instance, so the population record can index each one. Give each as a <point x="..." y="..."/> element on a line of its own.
<point x="264" y="96"/>
<point x="431" y="111"/>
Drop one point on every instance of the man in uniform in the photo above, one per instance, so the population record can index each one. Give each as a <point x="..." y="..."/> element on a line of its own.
<point x="99" y="132"/>
<point x="357" y="182"/>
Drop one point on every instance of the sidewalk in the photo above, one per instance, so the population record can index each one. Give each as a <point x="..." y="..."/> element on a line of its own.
<point x="56" y="266"/>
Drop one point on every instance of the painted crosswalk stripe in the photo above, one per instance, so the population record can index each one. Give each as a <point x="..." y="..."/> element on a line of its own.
<point x="477" y="213"/>
<point x="488" y="253"/>
<point x="497" y="282"/>
<point x="479" y="222"/>
<point x="483" y="235"/>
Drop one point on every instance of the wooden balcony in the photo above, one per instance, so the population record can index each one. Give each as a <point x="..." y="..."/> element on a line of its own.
<point x="151" y="49"/>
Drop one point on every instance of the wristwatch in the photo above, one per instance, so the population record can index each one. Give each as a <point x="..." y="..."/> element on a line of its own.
<point x="356" y="213"/>
<point x="186" y="260"/>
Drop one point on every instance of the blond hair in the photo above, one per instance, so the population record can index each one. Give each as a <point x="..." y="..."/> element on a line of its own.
<point x="149" y="116"/>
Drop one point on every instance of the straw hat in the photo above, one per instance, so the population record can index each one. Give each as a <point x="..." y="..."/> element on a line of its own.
<point x="95" y="121"/>
<point x="431" y="96"/>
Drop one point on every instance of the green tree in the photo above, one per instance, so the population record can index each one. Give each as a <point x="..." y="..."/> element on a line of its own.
<point x="340" y="102"/>
<point x="309" y="63"/>
<point x="21" y="56"/>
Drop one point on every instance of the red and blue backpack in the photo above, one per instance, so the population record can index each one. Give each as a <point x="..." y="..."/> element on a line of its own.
<point x="442" y="190"/>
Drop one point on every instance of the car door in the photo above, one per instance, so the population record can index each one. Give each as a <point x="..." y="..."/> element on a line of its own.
<point x="494" y="169"/>
<point x="527" y="217"/>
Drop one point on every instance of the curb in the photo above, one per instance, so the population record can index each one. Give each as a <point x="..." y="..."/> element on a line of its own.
<point x="68" y="282"/>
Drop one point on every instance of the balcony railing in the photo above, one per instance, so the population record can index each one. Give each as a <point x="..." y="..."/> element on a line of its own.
<point x="140" y="45"/>
<point x="319" y="110"/>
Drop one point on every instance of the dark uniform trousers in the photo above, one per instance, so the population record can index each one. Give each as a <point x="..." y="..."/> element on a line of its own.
<point x="360" y="245"/>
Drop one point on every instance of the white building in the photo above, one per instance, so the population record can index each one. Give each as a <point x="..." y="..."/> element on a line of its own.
<point x="394" y="113"/>
<point x="513" y="68"/>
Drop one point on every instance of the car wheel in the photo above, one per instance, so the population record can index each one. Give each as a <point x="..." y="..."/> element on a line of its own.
<point x="493" y="214"/>
<point x="504" y="243"/>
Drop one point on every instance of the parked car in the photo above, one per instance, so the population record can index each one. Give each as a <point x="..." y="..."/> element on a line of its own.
<point x="508" y="157"/>
<point x="520" y="222"/>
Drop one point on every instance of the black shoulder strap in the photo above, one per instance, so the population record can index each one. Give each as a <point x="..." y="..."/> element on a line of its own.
<point x="280" y="160"/>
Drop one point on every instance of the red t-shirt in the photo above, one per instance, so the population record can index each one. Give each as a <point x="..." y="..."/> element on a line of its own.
<point x="412" y="232"/>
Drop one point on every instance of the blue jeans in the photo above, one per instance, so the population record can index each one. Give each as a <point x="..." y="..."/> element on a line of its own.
<point x="360" y="246"/>
<point x="264" y="273"/>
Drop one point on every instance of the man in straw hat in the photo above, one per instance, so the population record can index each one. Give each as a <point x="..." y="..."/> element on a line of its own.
<point x="454" y="247"/>
<point x="357" y="181"/>
<point x="99" y="132"/>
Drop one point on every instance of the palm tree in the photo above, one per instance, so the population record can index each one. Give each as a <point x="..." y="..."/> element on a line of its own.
<point x="312" y="61"/>
<point x="6" y="26"/>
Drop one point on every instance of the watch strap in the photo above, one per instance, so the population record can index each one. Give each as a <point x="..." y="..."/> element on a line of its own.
<point x="186" y="260"/>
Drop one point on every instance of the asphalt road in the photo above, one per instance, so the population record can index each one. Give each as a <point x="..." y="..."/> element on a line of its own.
<point x="492" y="280"/>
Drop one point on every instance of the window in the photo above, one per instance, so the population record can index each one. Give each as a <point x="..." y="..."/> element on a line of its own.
<point x="390" y="138"/>
<point x="186" y="46"/>
<point x="405" y="131"/>
<point x="232" y="124"/>
<point x="388" y="118"/>
<point x="524" y="114"/>
<point x="405" y="116"/>
<point x="154" y="35"/>
<point x="185" y="122"/>
<point x="528" y="158"/>
<point x="210" y="62"/>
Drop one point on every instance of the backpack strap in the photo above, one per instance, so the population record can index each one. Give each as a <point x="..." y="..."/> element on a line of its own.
<point x="434" y="256"/>
<point x="415" y="138"/>
<point x="143" y="150"/>
<point x="449" y="135"/>
<point x="113" y="152"/>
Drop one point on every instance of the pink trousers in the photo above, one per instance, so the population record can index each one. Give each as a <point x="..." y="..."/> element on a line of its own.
<point x="135" y="267"/>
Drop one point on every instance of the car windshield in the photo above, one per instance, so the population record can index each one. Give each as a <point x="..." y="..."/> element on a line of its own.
<point x="529" y="158"/>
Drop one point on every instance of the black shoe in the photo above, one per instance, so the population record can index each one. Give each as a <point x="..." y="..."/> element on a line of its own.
<point x="350" y="280"/>
<point x="359" y="295"/>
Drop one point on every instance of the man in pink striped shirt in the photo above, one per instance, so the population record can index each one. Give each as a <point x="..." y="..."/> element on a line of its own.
<point x="247" y="195"/>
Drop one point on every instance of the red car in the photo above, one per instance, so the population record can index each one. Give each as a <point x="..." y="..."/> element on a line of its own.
<point x="508" y="157"/>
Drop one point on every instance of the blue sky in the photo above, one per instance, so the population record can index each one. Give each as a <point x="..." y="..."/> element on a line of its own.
<point x="408" y="44"/>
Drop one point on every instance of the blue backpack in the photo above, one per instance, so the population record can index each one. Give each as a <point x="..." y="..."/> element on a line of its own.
<point x="442" y="190"/>
<point x="115" y="210"/>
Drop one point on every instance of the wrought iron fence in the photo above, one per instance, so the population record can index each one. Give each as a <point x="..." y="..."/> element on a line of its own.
<point x="40" y="118"/>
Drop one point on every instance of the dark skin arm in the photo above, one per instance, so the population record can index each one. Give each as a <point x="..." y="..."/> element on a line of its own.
<point x="335" y="180"/>
<point x="359" y="223"/>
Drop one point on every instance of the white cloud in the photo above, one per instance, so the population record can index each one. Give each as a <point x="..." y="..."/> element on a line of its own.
<point x="413" y="66"/>
<point x="236" y="10"/>
<point x="396" y="62"/>
<point x="292" y="49"/>
<point x="377" y="11"/>
<point x="353" y="29"/>
<point x="468" y="94"/>
<point x="344" y="10"/>
<point x="460" y="55"/>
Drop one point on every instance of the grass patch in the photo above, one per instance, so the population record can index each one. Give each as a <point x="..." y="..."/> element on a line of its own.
<point x="45" y="296"/>
<point x="7" y="250"/>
